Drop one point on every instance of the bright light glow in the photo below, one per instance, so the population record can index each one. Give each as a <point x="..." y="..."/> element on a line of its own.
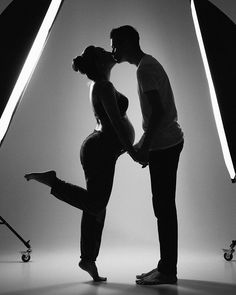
<point x="29" y="66"/>
<point x="215" y="106"/>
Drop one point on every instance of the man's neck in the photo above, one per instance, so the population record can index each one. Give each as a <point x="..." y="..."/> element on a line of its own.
<point x="136" y="57"/>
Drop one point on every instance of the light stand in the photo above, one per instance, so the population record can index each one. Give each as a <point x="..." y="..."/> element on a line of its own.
<point x="216" y="35"/>
<point x="25" y="26"/>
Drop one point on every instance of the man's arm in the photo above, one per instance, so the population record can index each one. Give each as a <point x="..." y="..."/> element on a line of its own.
<point x="157" y="112"/>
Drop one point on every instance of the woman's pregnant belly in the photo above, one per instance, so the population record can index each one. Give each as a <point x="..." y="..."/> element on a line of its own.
<point x="129" y="128"/>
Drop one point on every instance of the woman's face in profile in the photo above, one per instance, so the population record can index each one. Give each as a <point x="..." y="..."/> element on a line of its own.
<point x="105" y="56"/>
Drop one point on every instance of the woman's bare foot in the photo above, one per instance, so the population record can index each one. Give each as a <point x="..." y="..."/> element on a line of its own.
<point x="47" y="178"/>
<point x="91" y="268"/>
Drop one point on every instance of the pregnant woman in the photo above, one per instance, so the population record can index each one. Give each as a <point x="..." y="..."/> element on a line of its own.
<point x="112" y="136"/>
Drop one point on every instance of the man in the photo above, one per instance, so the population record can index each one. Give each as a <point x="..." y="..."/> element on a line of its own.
<point x="160" y="146"/>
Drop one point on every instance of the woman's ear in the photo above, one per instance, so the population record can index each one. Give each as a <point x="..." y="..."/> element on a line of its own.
<point x="100" y="65"/>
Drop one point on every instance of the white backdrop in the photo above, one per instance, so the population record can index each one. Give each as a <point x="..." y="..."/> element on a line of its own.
<point x="55" y="117"/>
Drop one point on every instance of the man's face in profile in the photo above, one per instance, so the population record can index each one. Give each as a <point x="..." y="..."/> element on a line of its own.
<point x="118" y="50"/>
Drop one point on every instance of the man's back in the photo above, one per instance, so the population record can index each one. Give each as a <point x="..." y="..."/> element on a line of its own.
<point x="152" y="76"/>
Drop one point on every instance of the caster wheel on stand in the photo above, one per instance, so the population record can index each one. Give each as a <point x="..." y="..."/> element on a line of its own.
<point x="228" y="256"/>
<point x="25" y="257"/>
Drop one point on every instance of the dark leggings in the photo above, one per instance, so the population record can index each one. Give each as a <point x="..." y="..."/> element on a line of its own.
<point x="98" y="155"/>
<point x="163" y="165"/>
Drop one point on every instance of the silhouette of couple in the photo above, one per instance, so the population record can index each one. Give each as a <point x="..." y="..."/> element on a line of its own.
<point x="159" y="148"/>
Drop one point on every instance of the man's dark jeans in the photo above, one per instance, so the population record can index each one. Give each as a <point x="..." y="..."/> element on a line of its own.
<point x="163" y="165"/>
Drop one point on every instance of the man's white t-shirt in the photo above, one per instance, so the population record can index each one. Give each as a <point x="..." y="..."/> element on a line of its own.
<point x="152" y="76"/>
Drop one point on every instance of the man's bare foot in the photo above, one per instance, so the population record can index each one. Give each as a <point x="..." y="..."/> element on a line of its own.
<point x="91" y="268"/>
<point x="157" y="278"/>
<point x="47" y="178"/>
<point x="143" y="275"/>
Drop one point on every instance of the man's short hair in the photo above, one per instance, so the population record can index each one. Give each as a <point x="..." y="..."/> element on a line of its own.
<point x="125" y="33"/>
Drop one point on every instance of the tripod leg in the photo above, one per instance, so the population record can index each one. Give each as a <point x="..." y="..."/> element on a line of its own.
<point x="14" y="232"/>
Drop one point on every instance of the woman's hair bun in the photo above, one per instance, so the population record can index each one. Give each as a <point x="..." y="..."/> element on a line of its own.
<point x="86" y="63"/>
<point x="79" y="64"/>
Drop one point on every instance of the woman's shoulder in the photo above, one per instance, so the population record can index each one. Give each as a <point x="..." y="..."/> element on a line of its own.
<point x="103" y="84"/>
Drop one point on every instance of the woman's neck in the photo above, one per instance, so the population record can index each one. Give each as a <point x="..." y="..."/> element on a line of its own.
<point x="103" y="78"/>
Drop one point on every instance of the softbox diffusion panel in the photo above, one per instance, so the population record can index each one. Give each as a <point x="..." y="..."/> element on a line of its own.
<point x="24" y="28"/>
<point x="216" y="34"/>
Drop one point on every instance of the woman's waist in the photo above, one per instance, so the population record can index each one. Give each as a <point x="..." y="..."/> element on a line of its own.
<point x="108" y="129"/>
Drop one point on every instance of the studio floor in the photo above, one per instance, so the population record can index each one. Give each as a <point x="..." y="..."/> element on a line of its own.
<point x="56" y="273"/>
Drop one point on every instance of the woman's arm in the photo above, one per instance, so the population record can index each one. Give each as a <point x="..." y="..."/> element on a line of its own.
<point x="107" y="96"/>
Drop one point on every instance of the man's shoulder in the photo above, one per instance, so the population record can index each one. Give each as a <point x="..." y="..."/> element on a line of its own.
<point x="149" y="61"/>
<point x="149" y="64"/>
